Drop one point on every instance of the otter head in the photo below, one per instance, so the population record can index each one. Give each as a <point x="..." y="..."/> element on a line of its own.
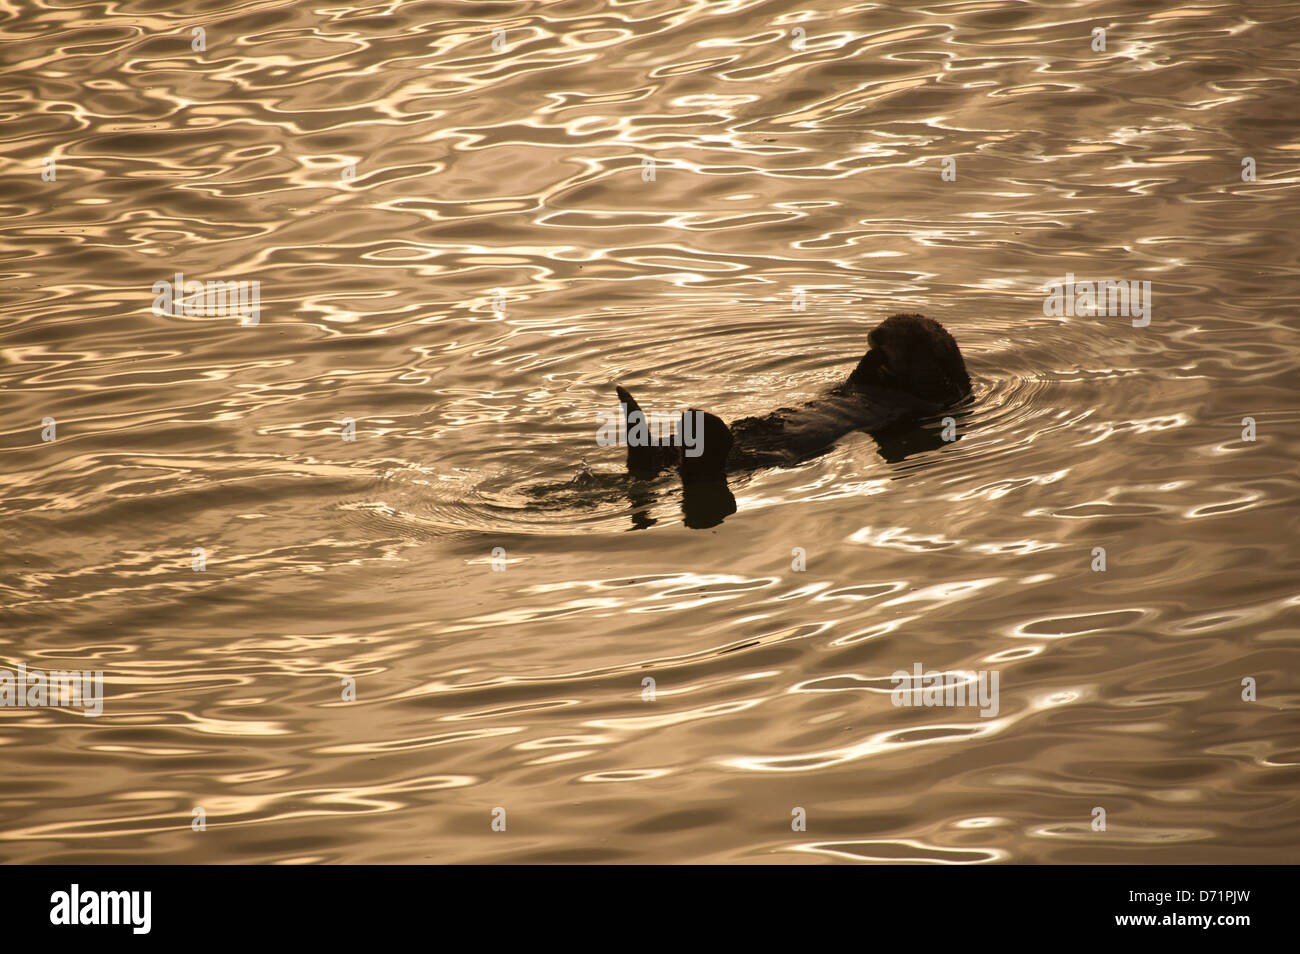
<point x="913" y="354"/>
<point x="704" y="443"/>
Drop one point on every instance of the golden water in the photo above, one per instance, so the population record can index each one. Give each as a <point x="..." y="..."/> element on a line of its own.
<point x="461" y="246"/>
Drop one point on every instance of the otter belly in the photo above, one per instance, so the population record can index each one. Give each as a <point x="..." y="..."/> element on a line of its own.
<point x="789" y="436"/>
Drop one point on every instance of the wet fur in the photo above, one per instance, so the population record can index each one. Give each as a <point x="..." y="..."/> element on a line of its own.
<point x="913" y="369"/>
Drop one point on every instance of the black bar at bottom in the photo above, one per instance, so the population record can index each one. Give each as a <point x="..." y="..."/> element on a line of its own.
<point x="213" y="904"/>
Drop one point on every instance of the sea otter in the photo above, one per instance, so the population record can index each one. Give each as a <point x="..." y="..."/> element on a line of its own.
<point x="912" y="369"/>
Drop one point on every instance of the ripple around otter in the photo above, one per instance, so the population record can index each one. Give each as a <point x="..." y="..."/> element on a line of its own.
<point x="525" y="629"/>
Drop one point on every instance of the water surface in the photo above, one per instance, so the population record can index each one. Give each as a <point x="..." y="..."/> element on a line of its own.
<point x="461" y="247"/>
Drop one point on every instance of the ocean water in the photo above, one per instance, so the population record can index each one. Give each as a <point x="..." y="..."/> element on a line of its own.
<point x="362" y="583"/>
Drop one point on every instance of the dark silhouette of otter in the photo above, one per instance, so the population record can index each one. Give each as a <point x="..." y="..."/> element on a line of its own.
<point x="912" y="369"/>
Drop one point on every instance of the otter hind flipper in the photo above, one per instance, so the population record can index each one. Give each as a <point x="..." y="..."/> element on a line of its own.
<point x="627" y="399"/>
<point x="644" y="458"/>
